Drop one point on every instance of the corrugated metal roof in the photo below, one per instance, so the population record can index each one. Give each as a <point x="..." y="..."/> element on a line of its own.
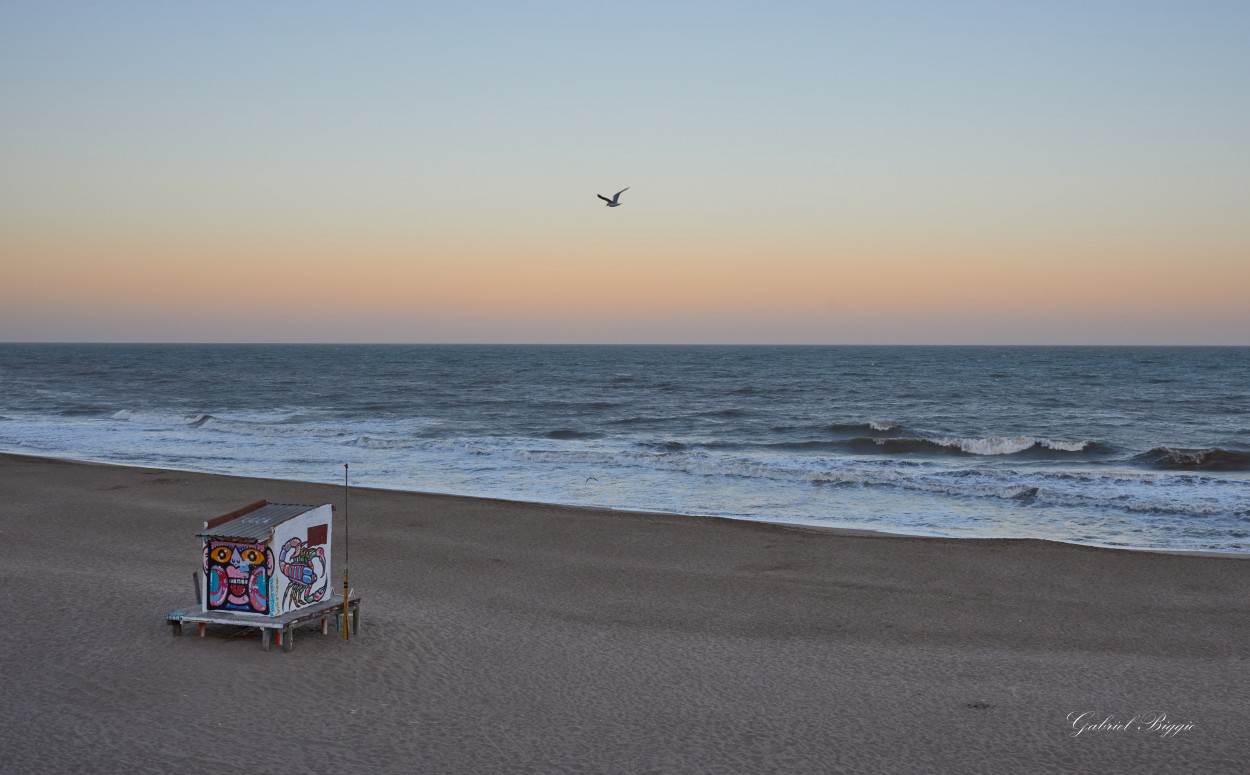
<point x="259" y="524"/>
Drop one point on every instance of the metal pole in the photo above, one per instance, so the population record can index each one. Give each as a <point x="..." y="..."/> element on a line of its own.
<point x="346" y="550"/>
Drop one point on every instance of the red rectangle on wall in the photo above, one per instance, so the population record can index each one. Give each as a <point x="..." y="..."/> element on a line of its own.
<point x="317" y="535"/>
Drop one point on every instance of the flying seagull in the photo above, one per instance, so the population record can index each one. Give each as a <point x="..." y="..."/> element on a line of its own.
<point x="615" y="200"/>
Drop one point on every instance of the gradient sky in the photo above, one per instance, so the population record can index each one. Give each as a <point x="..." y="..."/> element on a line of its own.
<point x="832" y="172"/>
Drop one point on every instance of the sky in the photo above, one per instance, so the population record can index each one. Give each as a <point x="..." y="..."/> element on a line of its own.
<point x="806" y="173"/>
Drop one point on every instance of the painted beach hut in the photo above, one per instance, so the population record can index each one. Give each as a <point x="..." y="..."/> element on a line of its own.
<point x="267" y="558"/>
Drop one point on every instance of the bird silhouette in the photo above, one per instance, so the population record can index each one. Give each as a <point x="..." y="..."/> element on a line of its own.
<point x="615" y="200"/>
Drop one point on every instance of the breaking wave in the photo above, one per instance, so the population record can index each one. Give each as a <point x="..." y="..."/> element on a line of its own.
<point x="996" y="445"/>
<point x="160" y="418"/>
<point x="872" y="426"/>
<point x="1210" y="459"/>
<point x="1020" y="446"/>
<point x="243" y="427"/>
<point x="371" y="442"/>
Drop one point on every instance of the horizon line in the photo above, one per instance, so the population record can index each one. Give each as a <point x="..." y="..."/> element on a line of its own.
<point x="590" y="344"/>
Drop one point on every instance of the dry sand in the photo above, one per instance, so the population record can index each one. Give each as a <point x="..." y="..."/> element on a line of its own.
<point x="507" y="637"/>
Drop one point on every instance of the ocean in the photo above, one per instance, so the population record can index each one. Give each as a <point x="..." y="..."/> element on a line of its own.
<point x="1142" y="447"/>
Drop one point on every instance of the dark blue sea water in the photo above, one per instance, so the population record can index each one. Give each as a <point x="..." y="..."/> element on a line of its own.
<point x="1137" y="447"/>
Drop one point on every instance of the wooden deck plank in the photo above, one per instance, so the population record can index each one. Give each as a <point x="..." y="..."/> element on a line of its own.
<point x="267" y="622"/>
<point x="280" y="628"/>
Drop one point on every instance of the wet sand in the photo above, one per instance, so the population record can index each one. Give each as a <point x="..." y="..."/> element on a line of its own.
<point x="510" y="637"/>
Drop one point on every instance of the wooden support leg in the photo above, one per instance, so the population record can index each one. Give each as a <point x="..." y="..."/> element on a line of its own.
<point x="176" y="627"/>
<point x="264" y="638"/>
<point x="288" y="640"/>
<point x="202" y="627"/>
<point x="325" y="624"/>
<point x="356" y="620"/>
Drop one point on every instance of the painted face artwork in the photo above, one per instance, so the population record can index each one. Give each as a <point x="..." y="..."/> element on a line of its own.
<point x="238" y="576"/>
<point x="304" y="567"/>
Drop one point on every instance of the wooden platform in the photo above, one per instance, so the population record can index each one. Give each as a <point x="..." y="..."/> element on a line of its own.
<point x="281" y="628"/>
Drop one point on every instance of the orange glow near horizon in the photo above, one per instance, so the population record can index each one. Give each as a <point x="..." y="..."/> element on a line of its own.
<point x="272" y="289"/>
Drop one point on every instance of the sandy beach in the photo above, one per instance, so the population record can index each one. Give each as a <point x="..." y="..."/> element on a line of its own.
<point x="511" y="637"/>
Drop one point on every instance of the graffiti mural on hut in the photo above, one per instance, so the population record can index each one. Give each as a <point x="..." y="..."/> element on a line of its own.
<point x="304" y="565"/>
<point x="237" y="575"/>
